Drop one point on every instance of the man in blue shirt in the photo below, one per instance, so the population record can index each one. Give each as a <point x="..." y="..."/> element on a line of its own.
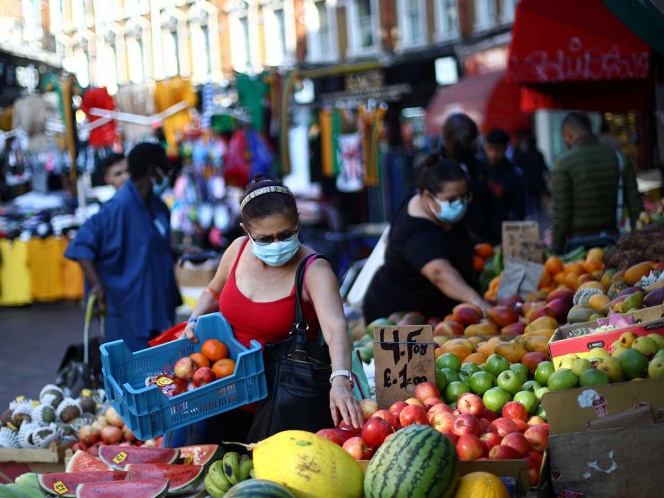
<point x="126" y="256"/>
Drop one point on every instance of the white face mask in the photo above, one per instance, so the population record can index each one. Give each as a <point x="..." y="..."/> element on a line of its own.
<point x="277" y="253"/>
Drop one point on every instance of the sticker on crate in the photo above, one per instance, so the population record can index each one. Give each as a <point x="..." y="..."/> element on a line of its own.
<point x="592" y="399"/>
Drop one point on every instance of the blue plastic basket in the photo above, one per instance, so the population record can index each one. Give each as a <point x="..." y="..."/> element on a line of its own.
<point x="148" y="412"/>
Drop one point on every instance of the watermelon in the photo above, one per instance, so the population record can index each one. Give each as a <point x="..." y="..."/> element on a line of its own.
<point x="416" y="461"/>
<point x="65" y="483"/>
<point x="118" y="457"/>
<point x="258" y="488"/>
<point x="85" y="462"/>
<point x="153" y="488"/>
<point x="181" y="477"/>
<point x="201" y="454"/>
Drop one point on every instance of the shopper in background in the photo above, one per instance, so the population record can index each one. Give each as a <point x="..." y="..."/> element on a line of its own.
<point x="254" y="290"/>
<point x="114" y="168"/>
<point x="585" y="185"/>
<point x="126" y="256"/>
<point x="531" y="161"/>
<point x="506" y="184"/>
<point x="428" y="259"/>
<point x="460" y="145"/>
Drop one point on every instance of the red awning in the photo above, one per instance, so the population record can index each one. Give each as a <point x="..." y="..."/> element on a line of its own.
<point x="572" y="40"/>
<point x="490" y="100"/>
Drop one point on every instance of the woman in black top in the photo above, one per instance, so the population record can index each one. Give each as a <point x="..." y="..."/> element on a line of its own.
<point x="428" y="259"/>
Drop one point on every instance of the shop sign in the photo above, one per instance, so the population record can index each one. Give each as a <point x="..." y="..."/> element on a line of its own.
<point x="487" y="61"/>
<point x="404" y="358"/>
<point x="368" y="85"/>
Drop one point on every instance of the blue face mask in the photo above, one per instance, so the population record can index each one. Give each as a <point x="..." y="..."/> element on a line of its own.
<point x="160" y="188"/>
<point x="277" y="253"/>
<point x="451" y="212"/>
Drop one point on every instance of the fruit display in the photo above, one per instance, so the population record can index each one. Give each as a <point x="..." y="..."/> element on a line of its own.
<point x="481" y="485"/>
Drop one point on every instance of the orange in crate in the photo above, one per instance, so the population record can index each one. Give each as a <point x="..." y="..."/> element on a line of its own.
<point x="200" y="359"/>
<point x="553" y="265"/>
<point x="223" y="368"/>
<point x="214" y="350"/>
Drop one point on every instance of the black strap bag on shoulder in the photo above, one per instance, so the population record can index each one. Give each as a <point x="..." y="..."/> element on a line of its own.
<point x="297" y="372"/>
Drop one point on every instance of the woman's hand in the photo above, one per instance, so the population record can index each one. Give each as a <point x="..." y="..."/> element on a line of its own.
<point x="189" y="332"/>
<point x="344" y="403"/>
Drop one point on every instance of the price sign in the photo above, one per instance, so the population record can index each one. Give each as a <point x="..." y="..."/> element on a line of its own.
<point x="514" y="235"/>
<point x="404" y="358"/>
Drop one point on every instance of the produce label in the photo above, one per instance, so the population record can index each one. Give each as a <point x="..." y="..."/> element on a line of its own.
<point x="163" y="381"/>
<point x="521" y="239"/>
<point x="404" y="358"/>
<point x="188" y="460"/>
<point x="120" y="457"/>
<point x="60" y="488"/>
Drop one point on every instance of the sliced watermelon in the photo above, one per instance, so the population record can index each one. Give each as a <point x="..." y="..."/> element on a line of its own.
<point x="83" y="461"/>
<point x="201" y="454"/>
<point x="65" y="483"/>
<point x="154" y="488"/>
<point x="181" y="477"/>
<point x="118" y="457"/>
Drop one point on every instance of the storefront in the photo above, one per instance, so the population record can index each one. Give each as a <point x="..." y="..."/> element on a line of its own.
<point x="19" y="75"/>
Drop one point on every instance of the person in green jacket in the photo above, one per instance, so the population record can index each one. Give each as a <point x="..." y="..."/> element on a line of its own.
<point x="585" y="185"/>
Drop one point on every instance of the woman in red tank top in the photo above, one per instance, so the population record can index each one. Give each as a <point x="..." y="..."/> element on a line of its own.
<point x="254" y="290"/>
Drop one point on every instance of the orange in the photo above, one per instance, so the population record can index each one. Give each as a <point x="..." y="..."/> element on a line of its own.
<point x="223" y="368"/>
<point x="214" y="350"/>
<point x="558" y="278"/>
<point x="200" y="359"/>
<point x="484" y="250"/>
<point x="592" y="265"/>
<point x="571" y="279"/>
<point x="553" y="265"/>
<point x="545" y="280"/>
<point x="478" y="263"/>
<point x="576" y="267"/>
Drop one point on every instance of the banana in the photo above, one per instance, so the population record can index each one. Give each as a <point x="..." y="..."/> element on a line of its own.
<point x="217" y="476"/>
<point x="246" y="466"/>
<point x="244" y="458"/>
<point x="29" y="479"/>
<point x="252" y="474"/>
<point x="211" y="489"/>
<point x="232" y="467"/>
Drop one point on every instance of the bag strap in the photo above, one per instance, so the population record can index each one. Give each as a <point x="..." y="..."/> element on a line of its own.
<point x="300" y="326"/>
<point x="619" y="201"/>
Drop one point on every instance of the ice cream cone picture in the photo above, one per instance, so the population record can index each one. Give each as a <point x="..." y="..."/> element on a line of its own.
<point x="592" y="399"/>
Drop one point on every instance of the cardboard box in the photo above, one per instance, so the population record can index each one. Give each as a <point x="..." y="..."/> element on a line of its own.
<point x="518" y="469"/>
<point x="651" y="319"/>
<point x="190" y="275"/>
<point x="604" y="441"/>
<point x="17" y="461"/>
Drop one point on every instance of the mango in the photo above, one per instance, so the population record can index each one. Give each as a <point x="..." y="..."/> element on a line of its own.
<point x="502" y="316"/>
<point x="593" y="284"/>
<point x="548" y="333"/>
<point x="634" y="273"/>
<point x="481" y="329"/>
<point x="598" y="301"/>
<point x="513" y="352"/>
<point x="657" y="285"/>
<point x="580" y="314"/>
<point x="513" y="329"/>
<point x="611" y="305"/>
<point x="543" y="322"/>
<point x="654" y="297"/>
<point x="634" y="300"/>
<point x="537" y="344"/>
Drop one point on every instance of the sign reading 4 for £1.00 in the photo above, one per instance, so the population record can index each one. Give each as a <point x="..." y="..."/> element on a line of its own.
<point x="404" y="358"/>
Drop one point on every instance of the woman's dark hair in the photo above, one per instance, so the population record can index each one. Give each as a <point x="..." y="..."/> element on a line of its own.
<point x="436" y="171"/>
<point x="263" y="205"/>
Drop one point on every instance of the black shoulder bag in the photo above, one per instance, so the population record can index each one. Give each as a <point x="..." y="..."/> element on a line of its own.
<point x="297" y="372"/>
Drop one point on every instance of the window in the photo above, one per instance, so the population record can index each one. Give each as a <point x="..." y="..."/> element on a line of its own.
<point x="109" y="71"/>
<point x="32" y="21"/>
<point x="412" y="20"/>
<point x="78" y="13"/>
<point x="171" y="51"/>
<point x="200" y="45"/>
<point x="136" y="59"/>
<point x="319" y="19"/>
<point x="447" y="25"/>
<point x="82" y="69"/>
<point x="485" y="15"/>
<point x="507" y="8"/>
<point x="241" y="46"/>
<point x="275" y="34"/>
<point x="55" y="9"/>
<point x="362" y="26"/>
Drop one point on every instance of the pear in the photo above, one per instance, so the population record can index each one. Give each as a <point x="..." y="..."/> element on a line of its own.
<point x="656" y="367"/>
<point x="611" y="367"/>
<point x="567" y="363"/>
<point x="580" y="365"/>
<point x="616" y="352"/>
<point x="626" y="339"/>
<point x="646" y="345"/>
<point x="599" y="353"/>
<point x="659" y="339"/>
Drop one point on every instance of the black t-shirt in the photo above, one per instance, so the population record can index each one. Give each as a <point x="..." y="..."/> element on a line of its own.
<point x="399" y="284"/>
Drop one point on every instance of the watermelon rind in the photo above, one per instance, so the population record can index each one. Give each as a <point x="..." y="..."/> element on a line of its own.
<point x="82" y="461"/>
<point x="65" y="483"/>
<point x="417" y="461"/>
<point x="153" y="488"/>
<point x="118" y="457"/>
<point x="259" y="488"/>
<point x="200" y="454"/>
<point x="182" y="477"/>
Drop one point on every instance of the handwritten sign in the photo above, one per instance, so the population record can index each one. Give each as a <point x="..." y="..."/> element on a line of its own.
<point x="515" y="233"/>
<point x="404" y="358"/>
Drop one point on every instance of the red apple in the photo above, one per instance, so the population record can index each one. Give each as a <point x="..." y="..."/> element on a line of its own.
<point x="466" y="424"/>
<point x="414" y="401"/>
<point x="413" y="414"/>
<point x="471" y="404"/>
<point x="429" y="402"/>
<point x="521" y="425"/>
<point x="349" y="427"/>
<point x="451" y="436"/>
<point x="469" y="447"/>
<point x="184" y="368"/>
<point x="331" y="434"/>
<point x="202" y="376"/>
<point x="503" y="426"/>
<point x="368" y="407"/>
<point x="485" y="426"/>
<point x="442" y="421"/>
<point x="426" y="390"/>
<point x="518" y="442"/>
<point x="127" y="434"/>
<point x="502" y="452"/>
<point x="439" y="408"/>
<point x="534" y="467"/>
<point x="538" y="437"/>
<point x="535" y="420"/>
<point x="358" y="448"/>
<point x="448" y="328"/>
<point x="515" y="410"/>
<point x="344" y="434"/>
<point x="111" y="434"/>
<point x="391" y="419"/>
<point x="489" y="415"/>
<point x="532" y="359"/>
<point x="375" y="430"/>
<point x="396" y="407"/>
<point x="489" y="440"/>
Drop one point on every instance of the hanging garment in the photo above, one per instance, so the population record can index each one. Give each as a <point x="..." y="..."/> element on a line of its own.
<point x="104" y="135"/>
<point x="349" y="156"/>
<point x="73" y="279"/>
<point x="45" y="263"/>
<point x="261" y="156"/>
<point x="252" y="91"/>
<point x="236" y="172"/>
<point x="6" y="117"/>
<point x="169" y="93"/>
<point x="138" y="99"/>
<point x="15" y="280"/>
<point x="372" y="122"/>
<point x="30" y="114"/>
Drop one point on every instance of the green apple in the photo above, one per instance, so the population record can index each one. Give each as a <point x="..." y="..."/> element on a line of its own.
<point x="599" y="353"/>
<point x="543" y="372"/>
<point x="464" y="376"/>
<point x="563" y="379"/>
<point x="580" y="365"/>
<point x="495" y="398"/>
<point x="470" y="368"/>
<point x="451" y="374"/>
<point x="541" y="413"/>
<point x="448" y="360"/>
<point x="521" y="369"/>
<point x="659" y="354"/>
<point x="541" y="392"/>
<point x="593" y="377"/>
<point x="496" y="364"/>
<point x="531" y="385"/>
<point x="441" y="380"/>
<point x="529" y="400"/>
<point x="510" y="382"/>
<point x="481" y="382"/>
<point x="454" y="390"/>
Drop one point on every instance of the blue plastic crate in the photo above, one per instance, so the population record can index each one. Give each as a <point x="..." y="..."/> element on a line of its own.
<point x="148" y="412"/>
